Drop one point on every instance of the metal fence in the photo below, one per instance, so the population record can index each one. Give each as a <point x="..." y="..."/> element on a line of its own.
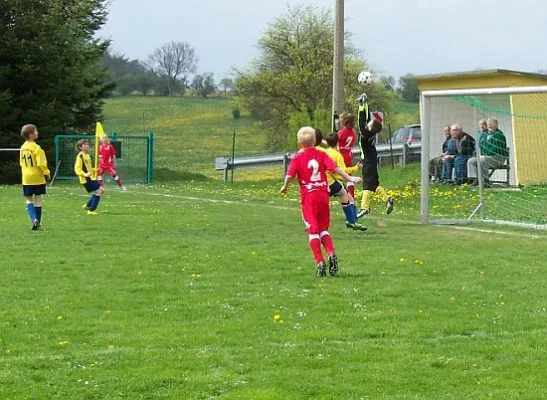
<point x="402" y="151"/>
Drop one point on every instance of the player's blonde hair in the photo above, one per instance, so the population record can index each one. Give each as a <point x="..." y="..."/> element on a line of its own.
<point x="27" y="129"/>
<point x="104" y="136"/>
<point x="306" y="136"/>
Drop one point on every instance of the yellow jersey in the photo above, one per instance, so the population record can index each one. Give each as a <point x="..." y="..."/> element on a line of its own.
<point x="33" y="162"/>
<point x="339" y="161"/>
<point x="83" y="166"/>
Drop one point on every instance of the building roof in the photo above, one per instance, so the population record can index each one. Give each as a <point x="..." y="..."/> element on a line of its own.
<point x="477" y="73"/>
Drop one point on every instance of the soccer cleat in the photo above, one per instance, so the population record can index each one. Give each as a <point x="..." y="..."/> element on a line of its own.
<point x="89" y="212"/>
<point x="333" y="264"/>
<point x="123" y="188"/>
<point x="85" y="207"/>
<point x="389" y="205"/>
<point x="356" y="226"/>
<point x="321" y="269"/>
<point x="362" y="212"/>
<point x="35" y="225"/>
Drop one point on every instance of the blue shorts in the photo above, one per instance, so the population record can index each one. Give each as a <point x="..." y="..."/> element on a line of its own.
<point x="334" y="188"/>
<point x="91" y="186"/>
<point x="36" y="190"/>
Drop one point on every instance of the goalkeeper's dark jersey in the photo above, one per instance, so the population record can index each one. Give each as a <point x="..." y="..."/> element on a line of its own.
<point x="366" y="138"/>
<point x="369" y="155"/>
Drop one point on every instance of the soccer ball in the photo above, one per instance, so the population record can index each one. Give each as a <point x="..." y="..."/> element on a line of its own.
<point x="365" y="77"/>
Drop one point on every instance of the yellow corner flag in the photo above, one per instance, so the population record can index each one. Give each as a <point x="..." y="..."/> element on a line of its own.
<point x="98" y="133"/>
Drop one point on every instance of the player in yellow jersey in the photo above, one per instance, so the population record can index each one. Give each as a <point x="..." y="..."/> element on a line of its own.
<point x="336" y="187"/>
<point x="35" y="172"/>
<point x="88" y="177"/>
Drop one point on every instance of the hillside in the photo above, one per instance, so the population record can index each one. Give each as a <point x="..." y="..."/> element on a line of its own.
<point x="191" y="132"/>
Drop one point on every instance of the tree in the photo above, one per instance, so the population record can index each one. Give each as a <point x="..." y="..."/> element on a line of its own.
<point x="50" y="70"/>
<point x="145" y="82"/>
<point x="409" y="88"/>
<point x="389" y="82"/>
<point x="226" y="84"/>
<point x="293" y="74"/>
<point x="126" y="84"/>
<point x="204" y="84"/>
<point x="175" y="60"/>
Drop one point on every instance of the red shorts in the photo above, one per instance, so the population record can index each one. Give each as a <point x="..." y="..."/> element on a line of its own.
<point x="106" y="169"/>
<point x="316" y="212"/>
<point x="348" y="159"/>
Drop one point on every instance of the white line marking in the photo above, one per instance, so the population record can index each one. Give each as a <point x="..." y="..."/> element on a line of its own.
<point x="391" y="219"/>
<point x="466" y="228"/>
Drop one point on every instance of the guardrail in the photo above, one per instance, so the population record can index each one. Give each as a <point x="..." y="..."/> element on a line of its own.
<point x="384" y="150"/>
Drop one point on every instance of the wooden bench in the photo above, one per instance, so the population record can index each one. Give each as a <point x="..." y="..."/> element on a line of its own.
<point x="506" y="167"/>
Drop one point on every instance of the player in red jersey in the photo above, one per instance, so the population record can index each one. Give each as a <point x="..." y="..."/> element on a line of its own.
<point x="107" y="162"/>
<point x="347" y="139"/>
<point x="311" y="166"/>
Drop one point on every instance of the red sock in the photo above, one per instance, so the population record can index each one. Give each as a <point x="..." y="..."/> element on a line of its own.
<point x="351" y="190"/>
<point x="315" y="246"/>
<point x="326" y="240"/>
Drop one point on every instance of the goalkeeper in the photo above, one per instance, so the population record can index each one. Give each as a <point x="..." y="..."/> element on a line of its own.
<point x="368" y="129"/>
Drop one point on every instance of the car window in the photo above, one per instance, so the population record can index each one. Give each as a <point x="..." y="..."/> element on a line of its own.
<point x="416" y="133"/>
<point x="398" y="135"/>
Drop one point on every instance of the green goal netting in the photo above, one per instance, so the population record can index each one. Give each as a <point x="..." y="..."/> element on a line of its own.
<point x="512" y="189"/>
<point x="134" y="156"/>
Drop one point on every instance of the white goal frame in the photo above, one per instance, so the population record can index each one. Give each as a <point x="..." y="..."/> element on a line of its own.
<point x="425" y="116"/>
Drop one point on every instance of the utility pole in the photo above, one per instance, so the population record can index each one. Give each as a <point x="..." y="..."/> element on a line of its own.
<point x="338" y="62"/>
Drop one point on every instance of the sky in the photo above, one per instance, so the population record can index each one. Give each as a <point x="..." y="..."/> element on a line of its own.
<point x="397" y="36"/>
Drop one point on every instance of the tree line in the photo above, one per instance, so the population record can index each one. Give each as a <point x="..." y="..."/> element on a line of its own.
<point x="166" y="72"/>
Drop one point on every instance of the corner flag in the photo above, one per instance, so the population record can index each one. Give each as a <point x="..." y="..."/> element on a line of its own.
<point x="98" y="133"/>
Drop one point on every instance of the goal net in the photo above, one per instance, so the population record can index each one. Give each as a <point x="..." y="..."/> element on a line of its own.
<point x="134" y="156"/>
<point x="502" y="178"/>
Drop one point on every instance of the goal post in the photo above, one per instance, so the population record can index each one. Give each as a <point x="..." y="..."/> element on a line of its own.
<point x="134" y="156"/>
<point x="512" y="187"/>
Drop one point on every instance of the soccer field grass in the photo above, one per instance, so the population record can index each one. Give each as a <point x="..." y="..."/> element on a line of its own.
<point x="200" y="291"/>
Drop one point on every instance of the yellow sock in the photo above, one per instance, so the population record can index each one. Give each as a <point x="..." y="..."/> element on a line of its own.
<point x="365" y="203"/>
<point x="380" y="191"/>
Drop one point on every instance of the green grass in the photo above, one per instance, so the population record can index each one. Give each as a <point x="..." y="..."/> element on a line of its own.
<point x="189" y="132"/>
<point x="170" y="295"/>
<point x="400" y="106"/>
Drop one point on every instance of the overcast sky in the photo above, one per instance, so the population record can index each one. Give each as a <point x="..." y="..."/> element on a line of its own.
<point x="398" y="36"/>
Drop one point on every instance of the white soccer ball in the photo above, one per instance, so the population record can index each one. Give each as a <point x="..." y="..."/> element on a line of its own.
<point x="365" y="78"/>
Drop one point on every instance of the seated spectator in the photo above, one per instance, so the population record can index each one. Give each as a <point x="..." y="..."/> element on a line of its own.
<point x="493" y="150"/>
<point x="436" y="164"/>
<point x="460" y="150"/>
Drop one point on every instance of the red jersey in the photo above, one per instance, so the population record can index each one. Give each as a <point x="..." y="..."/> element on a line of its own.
<point x="107" y="154"/>
<point x="311" y="166"/>
<point x="346" y="141"/>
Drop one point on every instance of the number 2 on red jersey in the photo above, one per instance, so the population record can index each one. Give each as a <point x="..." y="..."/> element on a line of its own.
<point x="314" y="166"/>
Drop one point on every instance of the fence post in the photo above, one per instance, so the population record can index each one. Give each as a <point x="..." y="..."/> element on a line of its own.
<point x="405" y="154"/>
<point x="226" y="169"/>
<point x="233" y="154"/>
<point x="286" y="161"/>
<point x="391" y="146"/>
<point x="150" y="151"/>
<point x="57" y="150"/>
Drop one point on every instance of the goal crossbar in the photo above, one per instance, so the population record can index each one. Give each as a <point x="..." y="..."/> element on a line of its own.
<point x="484" y="91"/>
